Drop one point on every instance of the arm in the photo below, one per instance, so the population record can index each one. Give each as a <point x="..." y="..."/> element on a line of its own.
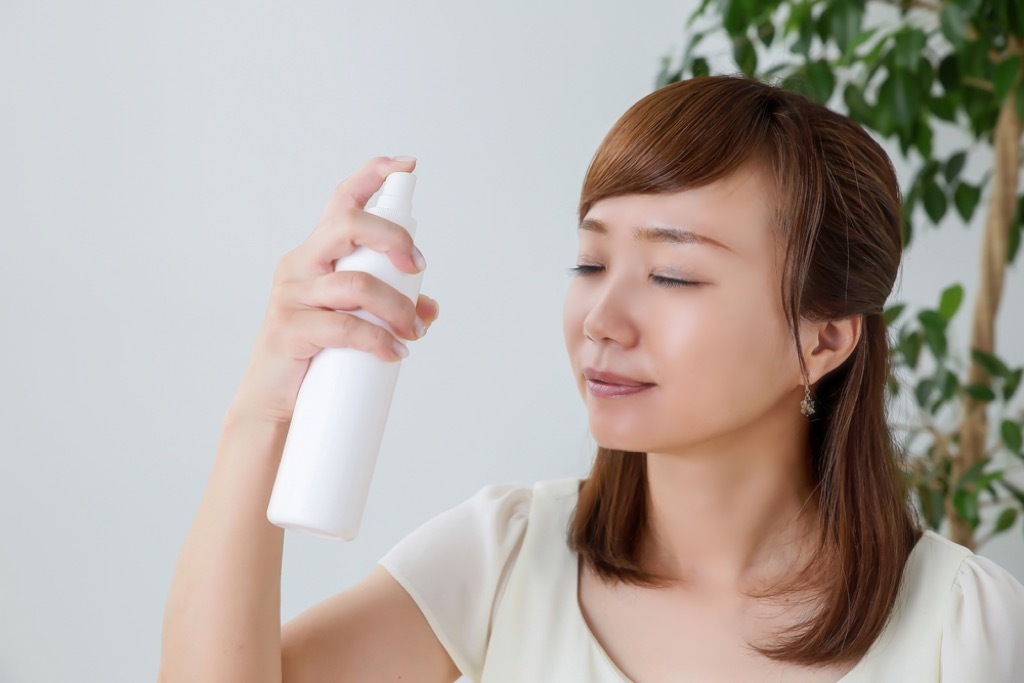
<point x="371" y="632"/>
<point x="222" y="619"/>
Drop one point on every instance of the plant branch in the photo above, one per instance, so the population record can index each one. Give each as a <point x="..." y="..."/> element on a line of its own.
<point x="979" y="83"/>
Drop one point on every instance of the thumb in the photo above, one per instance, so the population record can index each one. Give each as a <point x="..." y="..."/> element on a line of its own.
<point x="356" y="190"/>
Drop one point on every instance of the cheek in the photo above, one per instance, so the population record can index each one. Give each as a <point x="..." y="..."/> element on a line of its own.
<point x="573" y="313"/>
<point x="720" y="355"/>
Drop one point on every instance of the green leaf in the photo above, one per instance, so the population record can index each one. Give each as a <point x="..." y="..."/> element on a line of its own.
<point x="1003" y="77"/>
<point x="923" y="392"/>
<point x="1007" y="518"/>
<point x="932" y="319"/>
<point x="923" y="141"/>
<point x="990" y="363"/>
<point x="844" y="20"/>
<point x="1017" y="228"/>
<point x="801" y="23"/>
<point x="966" y="198"/>
<point x="954" y="25"/>
<point x="766" y="33"/>
<point x="949" y="73"/>
<point x="980" y="392"/>
<point x="934" y="200"/>
<point x="932" y="505"/>
<point x="798" y="11"/>
<point x="820" y="80"/>
<point x="954" y="164"/>
<point x="700" y="67"/>
<point x="936" y="340"/>
<point x="1011" y="384"/>
<point x="1017" y="493"/>
<point x="889" y="315"/>
<point x="944" y="107"/>
<point x="858" y="107"/>
<point x="981" y="112"/>
<point x="862" y="38"/>
<point x="736" y="15"/>
<point x="906" y="229"/>
<point x="935" y="332"/>
<point x="907" y="48"/>
<point x="1020" y="102"/>
<point x="971" y="475"/>
<point x="950" y="301"/>
<point x="1011" y="433"/>
<point x="911" y="348"/>
<point x="966" y="505"/>
<point x="901" y="93"/>
<point x="985" y="481"/>
<point x="1015" y="18"/>
<point x="950" y="384"/>
<point x="745" y="55"/>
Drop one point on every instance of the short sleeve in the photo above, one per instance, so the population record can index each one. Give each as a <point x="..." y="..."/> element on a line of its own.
<point x="456" y="565"/>
<point x="983" y="629"/>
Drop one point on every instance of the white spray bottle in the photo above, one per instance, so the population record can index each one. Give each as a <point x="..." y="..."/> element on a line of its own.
<point x="342" y="405"/>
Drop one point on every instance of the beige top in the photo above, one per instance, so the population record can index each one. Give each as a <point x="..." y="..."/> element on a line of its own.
<point x="497" y="582"/>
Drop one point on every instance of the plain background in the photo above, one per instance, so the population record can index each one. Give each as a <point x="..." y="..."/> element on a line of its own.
<point x="158" y="159"/>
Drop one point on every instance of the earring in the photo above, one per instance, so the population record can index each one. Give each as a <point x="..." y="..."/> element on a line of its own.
<point x="807" y="406"/>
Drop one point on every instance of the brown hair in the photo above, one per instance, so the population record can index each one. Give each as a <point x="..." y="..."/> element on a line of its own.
<point x="837" y="216"/>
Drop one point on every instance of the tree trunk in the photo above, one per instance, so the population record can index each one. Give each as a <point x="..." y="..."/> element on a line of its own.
<point x="995" y="248"/>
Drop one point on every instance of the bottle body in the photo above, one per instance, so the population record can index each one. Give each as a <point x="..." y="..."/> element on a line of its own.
<point x="340" y="414"/>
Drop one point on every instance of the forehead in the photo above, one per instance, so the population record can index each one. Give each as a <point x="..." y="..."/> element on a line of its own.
<point x="734" y="211"/>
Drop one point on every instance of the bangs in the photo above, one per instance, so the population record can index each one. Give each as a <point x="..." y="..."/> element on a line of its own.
<point x="682" y="136"/>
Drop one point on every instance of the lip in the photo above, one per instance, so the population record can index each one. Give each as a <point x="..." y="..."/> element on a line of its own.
<point x="614" y="390"/>
<point x="611" y="385"/>
<point x="612" y="378"/>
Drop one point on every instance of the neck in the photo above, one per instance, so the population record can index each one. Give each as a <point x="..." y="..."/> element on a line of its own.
<point x="738" y="511"/>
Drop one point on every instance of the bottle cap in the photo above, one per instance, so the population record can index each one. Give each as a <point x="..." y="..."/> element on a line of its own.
<point x="396" y="193"/>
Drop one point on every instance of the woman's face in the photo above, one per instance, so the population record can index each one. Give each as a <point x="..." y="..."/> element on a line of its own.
<point x="712" y="356"/>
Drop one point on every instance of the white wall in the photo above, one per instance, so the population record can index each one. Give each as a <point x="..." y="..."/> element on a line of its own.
<point x="156" y="160"/>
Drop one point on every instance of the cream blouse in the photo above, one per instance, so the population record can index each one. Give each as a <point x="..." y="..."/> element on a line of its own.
<point x="497" y="583"/>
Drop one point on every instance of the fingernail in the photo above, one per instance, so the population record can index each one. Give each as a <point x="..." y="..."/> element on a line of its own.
<point x="400" y="348"/>
<point x="417" y="258"/>
<point x="404" y="158"/>
<point x="420" y="328"/>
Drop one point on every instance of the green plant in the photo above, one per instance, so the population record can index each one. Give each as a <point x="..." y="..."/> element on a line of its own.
<point x="924" y="64"/>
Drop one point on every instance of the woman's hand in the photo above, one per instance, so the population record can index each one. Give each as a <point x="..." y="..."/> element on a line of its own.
<point x="308" y="298"/>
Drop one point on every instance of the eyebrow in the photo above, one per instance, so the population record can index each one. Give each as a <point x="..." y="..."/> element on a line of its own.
<point x="652" y="233"/>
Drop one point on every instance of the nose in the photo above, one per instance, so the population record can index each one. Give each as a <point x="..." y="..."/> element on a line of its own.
<point x="609" y="318"/>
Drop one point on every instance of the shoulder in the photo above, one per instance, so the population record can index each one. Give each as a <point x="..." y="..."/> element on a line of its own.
<point x="496" y="515"/>
<point x="482" y="528"/>
<point x="456" y="565"/>
<point x="983" y="616"/>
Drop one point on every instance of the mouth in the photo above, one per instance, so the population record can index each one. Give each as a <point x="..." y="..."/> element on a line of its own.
<point x="611" y="385"/>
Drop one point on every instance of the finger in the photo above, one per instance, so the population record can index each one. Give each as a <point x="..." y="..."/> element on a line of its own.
<point x="427" y="309"/>
<point x="348" y="290"/>
<point x="338" y="238"/>
<point x="356" y="190"/>
<point x="312" y="330"/>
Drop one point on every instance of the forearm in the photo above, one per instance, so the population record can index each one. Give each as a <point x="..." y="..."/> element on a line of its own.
<point x="222" y="621"/>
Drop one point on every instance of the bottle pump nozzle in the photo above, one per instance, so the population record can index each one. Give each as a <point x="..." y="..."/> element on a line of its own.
<point x="396" y="192"/>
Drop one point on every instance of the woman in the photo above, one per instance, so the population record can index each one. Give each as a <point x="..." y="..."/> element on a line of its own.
<point x="745" y="518"/>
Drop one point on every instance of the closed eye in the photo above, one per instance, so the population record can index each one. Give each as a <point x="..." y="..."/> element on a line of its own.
<point x="584" y="270"/>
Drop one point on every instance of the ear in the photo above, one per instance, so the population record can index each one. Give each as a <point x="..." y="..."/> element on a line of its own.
<point x="827" y="344"/>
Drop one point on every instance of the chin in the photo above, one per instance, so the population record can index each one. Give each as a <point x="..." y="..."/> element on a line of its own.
<point x="618" y="441"/>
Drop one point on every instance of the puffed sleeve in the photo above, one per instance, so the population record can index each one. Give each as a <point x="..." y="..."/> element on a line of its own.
<point x="455" y="567"/>
<point x="983" y="629"/>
